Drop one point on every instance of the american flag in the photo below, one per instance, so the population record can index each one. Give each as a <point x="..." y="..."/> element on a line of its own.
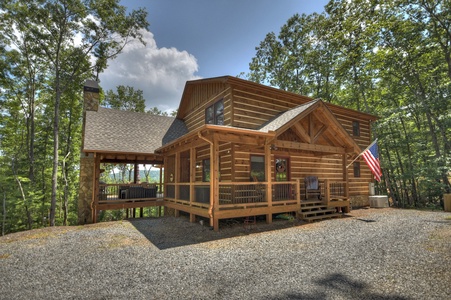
<point x="371" y="156"/>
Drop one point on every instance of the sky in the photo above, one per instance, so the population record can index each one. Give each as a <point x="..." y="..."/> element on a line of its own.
<point x="196" y="39"/>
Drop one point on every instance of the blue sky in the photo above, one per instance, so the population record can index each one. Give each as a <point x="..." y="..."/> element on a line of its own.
<point x="197" y="39"/>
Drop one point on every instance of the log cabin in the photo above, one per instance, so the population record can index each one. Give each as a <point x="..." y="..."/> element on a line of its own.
<point x="236" y="149"/>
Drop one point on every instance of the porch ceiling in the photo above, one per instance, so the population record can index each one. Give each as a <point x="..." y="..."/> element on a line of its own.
<point x="130" y="158"/>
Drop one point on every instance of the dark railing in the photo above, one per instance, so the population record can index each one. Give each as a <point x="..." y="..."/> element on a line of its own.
<point x="233" y="193"/>
<point x="238" y="193"/>
<point x="120" y="192"/>
<point x="282" y="191"/>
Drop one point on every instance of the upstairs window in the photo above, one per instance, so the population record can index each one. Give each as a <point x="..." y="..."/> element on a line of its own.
<point x="356" y="128"/>
<point x="214" y="114"/>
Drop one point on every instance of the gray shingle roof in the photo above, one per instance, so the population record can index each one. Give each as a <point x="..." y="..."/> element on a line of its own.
<point x="285" y="117"/>
<point x="112" y="130"/>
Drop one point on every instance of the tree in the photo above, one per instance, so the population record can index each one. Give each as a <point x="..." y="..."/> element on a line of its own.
<point x="390" y="58"/>
<point x="45" y="32"/>
<point x="125" y="98"/>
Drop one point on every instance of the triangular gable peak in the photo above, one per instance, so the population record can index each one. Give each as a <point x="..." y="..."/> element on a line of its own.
<point x="311" y="127"/>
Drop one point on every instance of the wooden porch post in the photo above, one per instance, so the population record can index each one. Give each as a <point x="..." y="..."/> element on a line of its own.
<point x="192" y="179"/>
<point x="268" y="181"/>
<point x="136" y="173"/>
<point x="345" y="175"/>
<point x="177" y="180"/>
<point x="214" y="181"/>
<point x="95" y="194"/>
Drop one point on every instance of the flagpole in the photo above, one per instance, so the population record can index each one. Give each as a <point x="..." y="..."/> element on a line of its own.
<point x="362" y="153"/>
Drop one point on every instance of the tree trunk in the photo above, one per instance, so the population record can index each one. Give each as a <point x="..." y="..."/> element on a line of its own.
<point x="55" y="147"/>
<point x="4" y="213"/>
<point x="24" y="198"/>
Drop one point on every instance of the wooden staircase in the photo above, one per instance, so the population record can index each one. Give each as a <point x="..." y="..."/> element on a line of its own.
<point x="314" y="210"/>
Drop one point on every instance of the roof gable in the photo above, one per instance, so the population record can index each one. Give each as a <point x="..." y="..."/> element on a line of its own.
<point x="311" y="123"/>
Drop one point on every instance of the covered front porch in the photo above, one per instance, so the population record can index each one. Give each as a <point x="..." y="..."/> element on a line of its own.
<point x="222" y="173"/>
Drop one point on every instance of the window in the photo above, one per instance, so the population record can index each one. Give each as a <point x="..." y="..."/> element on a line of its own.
<point x="356" y="128"/>
<point x="356" y="169"/>
<point x="206" y="170"/>
<point x="214" y="114"/>
<point x="258" y="167"/>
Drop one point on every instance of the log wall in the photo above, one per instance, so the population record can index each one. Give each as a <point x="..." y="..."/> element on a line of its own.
<point x="249" y="106"/>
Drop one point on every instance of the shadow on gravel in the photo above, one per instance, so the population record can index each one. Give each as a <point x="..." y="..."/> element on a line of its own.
<point x="340" y="286"/>
<point x="170" y="232"/>
<point x="366" y="220"/>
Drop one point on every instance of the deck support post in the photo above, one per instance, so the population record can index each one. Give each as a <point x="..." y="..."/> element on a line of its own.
<point x="268" y="180"/>
<point x="214" y="175"/>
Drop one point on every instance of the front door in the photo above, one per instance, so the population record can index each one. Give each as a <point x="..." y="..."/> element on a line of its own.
<point x="282" y="172"/>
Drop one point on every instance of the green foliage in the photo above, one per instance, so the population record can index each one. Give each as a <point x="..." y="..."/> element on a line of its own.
<point x="388" y="58"/>
<point x="125" y="98"/>
<point x="47" y="51"/>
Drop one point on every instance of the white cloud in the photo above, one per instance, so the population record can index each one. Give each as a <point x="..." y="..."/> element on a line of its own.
<point x="161" y="73"/>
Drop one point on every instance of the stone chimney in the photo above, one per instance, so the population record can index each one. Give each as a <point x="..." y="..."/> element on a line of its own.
<point x="88" y="166"/>
<point x="91" y="96"/>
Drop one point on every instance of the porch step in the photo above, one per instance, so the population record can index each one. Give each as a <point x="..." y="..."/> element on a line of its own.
<point x="307" y="203"/>
<point x="322" y="217"/>
<point x="317" y="212"/>
<point x="312" y="210"/>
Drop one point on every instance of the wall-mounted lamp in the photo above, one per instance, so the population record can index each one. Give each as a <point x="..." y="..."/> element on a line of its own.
<point x="273" y="147"/>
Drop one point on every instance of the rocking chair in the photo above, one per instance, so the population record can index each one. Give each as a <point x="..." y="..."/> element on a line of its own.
<point x="312" y="188"/>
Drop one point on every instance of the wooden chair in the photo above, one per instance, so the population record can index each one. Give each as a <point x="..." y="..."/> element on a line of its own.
<point x="312" y="188"/>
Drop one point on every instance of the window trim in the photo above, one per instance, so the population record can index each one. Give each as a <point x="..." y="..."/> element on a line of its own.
<point x="250" y="167"/>
<point x="215" y="116"/>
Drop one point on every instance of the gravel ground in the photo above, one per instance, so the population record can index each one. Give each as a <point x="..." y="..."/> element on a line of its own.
<point x="370" y="254"/>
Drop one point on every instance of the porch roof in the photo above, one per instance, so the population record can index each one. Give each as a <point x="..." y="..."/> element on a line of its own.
<point x="116" y="131"/>
<point x="344" y="143"/>
<point x="287" y="116"/>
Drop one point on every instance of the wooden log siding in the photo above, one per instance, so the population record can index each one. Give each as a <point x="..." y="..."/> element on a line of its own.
<point x="197" y="95"/>
<point x="365" y="135"/>
<point x="196" y="117"/>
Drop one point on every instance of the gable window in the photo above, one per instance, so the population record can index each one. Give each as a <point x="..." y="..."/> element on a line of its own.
<point x="214" y="114"/>
<point x="356" y="169"/>
<point x="258" y="167"/>
<point x="356" y="128"/>
<point x="206" y="170"/>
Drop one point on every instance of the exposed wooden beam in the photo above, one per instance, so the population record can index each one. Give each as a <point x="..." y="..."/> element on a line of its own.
<point x="240" y="139"/>
<point x="300" y="131"/>
<point x="310" y="147"/>
<point x="319" y="133"/>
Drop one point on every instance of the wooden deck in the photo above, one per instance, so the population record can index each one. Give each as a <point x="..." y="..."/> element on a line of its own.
<point x="234" y="199"/>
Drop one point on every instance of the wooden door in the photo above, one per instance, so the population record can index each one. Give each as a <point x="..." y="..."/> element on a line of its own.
<point x="282" y="173"/>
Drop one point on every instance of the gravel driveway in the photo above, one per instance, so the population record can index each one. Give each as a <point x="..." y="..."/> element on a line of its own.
<point x="370" y="254"/>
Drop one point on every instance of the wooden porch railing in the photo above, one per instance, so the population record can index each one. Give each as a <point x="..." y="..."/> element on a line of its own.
<point x="336" y="194"/>
<point x="234" y="194"/>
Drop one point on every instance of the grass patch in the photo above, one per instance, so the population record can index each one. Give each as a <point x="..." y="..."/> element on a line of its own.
<point x="5" y="256"/>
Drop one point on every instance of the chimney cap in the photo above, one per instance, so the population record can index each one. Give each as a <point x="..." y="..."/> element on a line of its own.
<point x="91" y="86"/>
